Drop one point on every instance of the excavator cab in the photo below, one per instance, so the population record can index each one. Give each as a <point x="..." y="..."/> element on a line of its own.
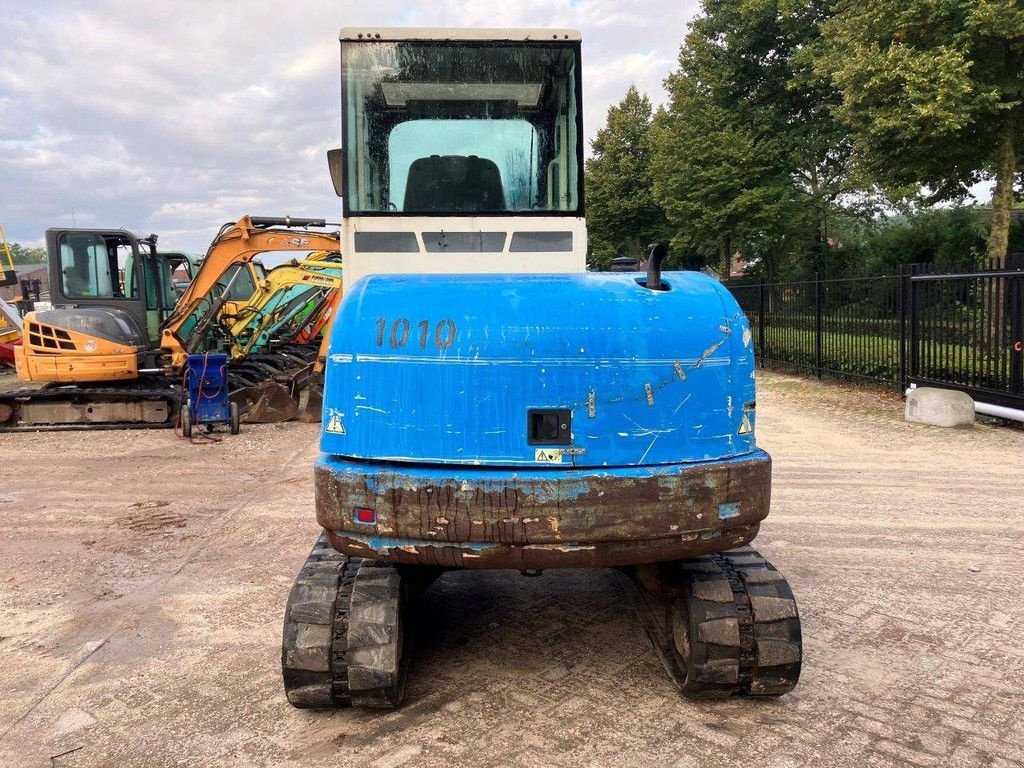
<point x="287" y="299"/>
<point x="114" y="268"/>
<point x="237" y="298"/>
<point x="111" y="291"/>
<point x="460" y="155"/>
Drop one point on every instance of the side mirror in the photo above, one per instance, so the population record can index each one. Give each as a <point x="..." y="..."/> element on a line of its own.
<point x="334" y="162"/>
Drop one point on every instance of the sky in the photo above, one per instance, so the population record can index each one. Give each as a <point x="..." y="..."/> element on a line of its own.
<point x="177" y="117"/>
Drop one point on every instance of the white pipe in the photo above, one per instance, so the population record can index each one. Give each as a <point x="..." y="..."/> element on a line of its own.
<point x="987" y="409"/>
<point x="999" y="411"/>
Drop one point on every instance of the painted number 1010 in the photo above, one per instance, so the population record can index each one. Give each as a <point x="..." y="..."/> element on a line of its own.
<point x="399" y="331"/>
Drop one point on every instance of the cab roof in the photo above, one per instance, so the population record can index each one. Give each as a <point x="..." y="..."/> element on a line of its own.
<point x="392" y="34"/>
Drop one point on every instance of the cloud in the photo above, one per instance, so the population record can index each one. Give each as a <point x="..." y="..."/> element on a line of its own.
<point x="174" y="118"/>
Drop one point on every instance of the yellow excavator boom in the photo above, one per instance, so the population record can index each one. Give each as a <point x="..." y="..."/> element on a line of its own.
<point x="249" y="323"/>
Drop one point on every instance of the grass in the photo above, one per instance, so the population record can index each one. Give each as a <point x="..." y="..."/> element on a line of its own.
<point x="877" y="357"/>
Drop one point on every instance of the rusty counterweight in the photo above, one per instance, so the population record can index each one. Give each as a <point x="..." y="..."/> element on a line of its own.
<point x="469" y="518"/>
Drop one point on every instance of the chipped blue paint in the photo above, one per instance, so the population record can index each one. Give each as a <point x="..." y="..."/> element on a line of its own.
<point x="564" y="483"/>
<point x="652" y="377"/>
<point x="730" y="509"/>
<point x="383" y="544"/>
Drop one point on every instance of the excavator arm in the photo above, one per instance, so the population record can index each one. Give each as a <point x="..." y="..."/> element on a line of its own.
<point x="282" y="303"/>
<point x="319" y="321"/>
<point x="236" y="244"/>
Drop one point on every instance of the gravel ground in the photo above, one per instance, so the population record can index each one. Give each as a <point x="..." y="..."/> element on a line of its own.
<point x="143" y="579"/>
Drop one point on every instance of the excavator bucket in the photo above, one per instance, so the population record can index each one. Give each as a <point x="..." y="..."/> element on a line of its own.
<point x="265" y="403"/>
<point x="314" y="409"/>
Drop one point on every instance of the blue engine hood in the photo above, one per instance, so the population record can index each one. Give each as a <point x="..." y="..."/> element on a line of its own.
<point x="442" y="369"/>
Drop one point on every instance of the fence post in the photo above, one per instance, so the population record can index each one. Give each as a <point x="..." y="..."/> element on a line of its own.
<point x="760" y="322"/>
<point x="818" y="326"/>
<point x="1016" y="285"/>
<point x="912" y="319"/>
<point x="901" y="306"/>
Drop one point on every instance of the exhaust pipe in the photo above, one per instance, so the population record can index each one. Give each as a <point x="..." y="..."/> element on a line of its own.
<point x="656" y="253"/>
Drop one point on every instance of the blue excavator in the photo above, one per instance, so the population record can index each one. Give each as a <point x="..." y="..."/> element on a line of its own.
<point x="489" y="404"/>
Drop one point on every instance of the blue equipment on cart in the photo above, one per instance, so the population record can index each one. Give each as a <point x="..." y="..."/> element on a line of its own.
<point x="206" y="379"/>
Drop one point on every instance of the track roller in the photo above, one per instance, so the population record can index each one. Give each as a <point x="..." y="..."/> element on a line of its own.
<point x="343" y="633"/>
<point x="724" y="624"/>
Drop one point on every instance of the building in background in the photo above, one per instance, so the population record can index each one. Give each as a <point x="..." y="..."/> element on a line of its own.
<point x="30" y="272"/>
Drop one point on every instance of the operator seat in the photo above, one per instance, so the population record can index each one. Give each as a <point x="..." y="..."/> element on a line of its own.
<point x="454" y="184"/>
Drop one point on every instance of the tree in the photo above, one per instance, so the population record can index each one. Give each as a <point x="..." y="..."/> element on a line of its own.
<point x="720" y="184"/>
<point x="23" y="255"/>
<point x="949" y="238"/>
<point x="933" y="92"/>
<point x="747" y="155"/>
<point x="622" y="215"/>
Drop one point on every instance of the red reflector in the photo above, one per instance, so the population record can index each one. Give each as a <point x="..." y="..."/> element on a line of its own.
<point x="365" y="515"/>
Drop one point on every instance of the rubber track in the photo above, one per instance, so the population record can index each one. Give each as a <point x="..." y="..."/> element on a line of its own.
<point x="310" y="627"/>
<point x="342" y="633"/>
<point x="247" y="372"/>
<point x="305" y="352"/>
<point x="771" y="641"/>
<point x="376" y="662"/>
<point x="172" y="395"/>
<point x="741" y="620"/>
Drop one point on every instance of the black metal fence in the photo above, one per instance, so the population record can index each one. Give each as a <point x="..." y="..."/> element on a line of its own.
<point x="962" y="330"/>
<point x="967" y="331"/>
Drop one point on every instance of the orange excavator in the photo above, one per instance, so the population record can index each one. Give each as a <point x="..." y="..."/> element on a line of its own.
<point x="111" y="352"/>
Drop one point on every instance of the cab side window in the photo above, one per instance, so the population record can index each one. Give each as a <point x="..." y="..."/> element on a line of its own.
<point x="241" y="282"/>
<point x="92" y="266"/>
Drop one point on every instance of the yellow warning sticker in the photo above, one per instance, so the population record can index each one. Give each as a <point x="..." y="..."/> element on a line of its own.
<point x="335" y="424"/>
<point x="549" y="455"/>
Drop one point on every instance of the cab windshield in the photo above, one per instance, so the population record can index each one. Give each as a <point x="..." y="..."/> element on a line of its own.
<point x="443" y="128"/>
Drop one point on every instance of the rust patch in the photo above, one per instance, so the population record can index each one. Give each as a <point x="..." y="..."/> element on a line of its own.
<point x="534" y="556"/>
<point x="637" y="517"/>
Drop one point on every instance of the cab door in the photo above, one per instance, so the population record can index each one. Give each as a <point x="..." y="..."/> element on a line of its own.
<point x="148" y="279"/>
<point x="183" y="271"/>
<point x="161" y="296"/>
<point x="94" y="268"/>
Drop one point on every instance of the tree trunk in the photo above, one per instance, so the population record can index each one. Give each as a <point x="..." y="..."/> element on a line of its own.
<point x="821" y="230"/>
<point x="999" y="234"/>
<point x="1002" y="196"/>
<point x="725" y="268"/>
